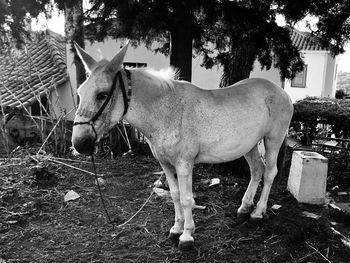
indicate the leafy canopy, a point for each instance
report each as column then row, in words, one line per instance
column 14, row 18
column 218, row 28
column 249, row 29
column 227, row 25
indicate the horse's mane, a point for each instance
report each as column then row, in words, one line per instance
column 163, row 77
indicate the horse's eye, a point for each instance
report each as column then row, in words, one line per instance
column 102, row 96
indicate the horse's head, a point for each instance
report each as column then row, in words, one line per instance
column 101, row 98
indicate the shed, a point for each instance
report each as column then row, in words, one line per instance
column 34, row 87
column 37, row 72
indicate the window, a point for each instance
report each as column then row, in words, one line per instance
column 135, row 65
column 36, row 107
column 299, row 80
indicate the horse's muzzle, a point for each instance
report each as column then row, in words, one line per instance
column 84, row 145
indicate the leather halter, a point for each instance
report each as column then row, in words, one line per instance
column 109, row 96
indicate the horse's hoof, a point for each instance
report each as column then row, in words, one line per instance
column 255, row 220
column 186, row 245
column 258, row 219
column 243, row 216
column 240, row 218
column 174, row 236
column 244, row 212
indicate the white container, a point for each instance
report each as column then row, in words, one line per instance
column 308, row 177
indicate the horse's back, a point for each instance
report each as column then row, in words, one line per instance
column 256, row 94
column 274, row 96
column 230, row 121
column 246, row 95
column 257, row 87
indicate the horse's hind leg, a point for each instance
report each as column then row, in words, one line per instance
column 272, row 146
column 178, row 227
column 257, row 167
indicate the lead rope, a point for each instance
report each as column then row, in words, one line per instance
column 100, row 193
column 112, row 222
column 96, row 116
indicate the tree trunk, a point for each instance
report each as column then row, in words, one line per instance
column 237, row 65
column 74, row 30
column 181, row 51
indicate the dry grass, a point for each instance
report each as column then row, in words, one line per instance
column 36, row 225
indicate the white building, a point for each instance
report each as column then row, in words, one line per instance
column 51, row 60
column 203, row 78
column 319, row 76
column 36, row 73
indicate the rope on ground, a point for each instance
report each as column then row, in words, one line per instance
column 70, row 166
column 102, row 200
column 138, row 211
column 100, row 192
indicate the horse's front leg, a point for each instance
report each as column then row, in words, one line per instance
column 178, row 227
column 184, row 175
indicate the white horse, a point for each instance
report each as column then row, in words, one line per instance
column 186, row 125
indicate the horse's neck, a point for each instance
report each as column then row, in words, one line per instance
column 149, row 102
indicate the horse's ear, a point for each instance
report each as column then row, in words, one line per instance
column 88, row 62
column 115, row 64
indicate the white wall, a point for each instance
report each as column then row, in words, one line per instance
column 200, row 76
column 63, row 99
column 331, row 77
column 207, row 79
column 315, row 76
column 320, row 79
column 272, row 74
column 320, row 76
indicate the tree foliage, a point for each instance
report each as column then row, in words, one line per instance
column 14, row 17
column 231, row 33
column 344, row 82
column 333, row 25
column 239, row 31
column 173, row 24
column 247, row 30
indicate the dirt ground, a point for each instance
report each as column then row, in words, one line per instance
column 37, row 225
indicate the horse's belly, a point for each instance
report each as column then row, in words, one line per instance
column 225, row 151
column 213, row 157
column 232, row 138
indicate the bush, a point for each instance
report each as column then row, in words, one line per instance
column 340, row 94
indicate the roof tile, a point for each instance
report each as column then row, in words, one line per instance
column 31, row 72
column 305, row 40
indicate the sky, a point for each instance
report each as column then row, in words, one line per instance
column 56, row 24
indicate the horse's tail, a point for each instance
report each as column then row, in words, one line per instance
column 280, row 160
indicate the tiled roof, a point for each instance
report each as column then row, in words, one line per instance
column 29, row 73
column 305, row 40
